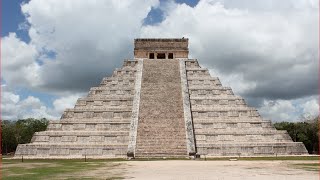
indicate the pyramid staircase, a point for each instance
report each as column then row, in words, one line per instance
column 161, row 130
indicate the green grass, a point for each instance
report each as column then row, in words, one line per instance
column 49, row 169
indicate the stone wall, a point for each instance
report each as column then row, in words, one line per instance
column 143, row 47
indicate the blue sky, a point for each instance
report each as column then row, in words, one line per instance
column 12, row 17
column 55, row 56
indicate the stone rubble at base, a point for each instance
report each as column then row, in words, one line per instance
column 166, row 107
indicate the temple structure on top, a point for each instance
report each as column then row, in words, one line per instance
column 161, row 48
column 160, row 104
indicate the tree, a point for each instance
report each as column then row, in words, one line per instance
column 20, row 132
column 306, row 132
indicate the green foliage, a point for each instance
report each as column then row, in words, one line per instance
column 20, row 132
column 306, row 132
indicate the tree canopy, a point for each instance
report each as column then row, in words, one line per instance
column 306, row 132
column 20, row 132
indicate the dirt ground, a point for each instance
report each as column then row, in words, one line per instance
column 218, row 170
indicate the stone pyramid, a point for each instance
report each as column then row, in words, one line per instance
column 160, row 104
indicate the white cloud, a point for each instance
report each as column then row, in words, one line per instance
column 88, row 38
column 311, row 108
column 280, row 110
column 18, row 62
column 268, row 49
column 290, row 110
column 62, row 103
column 13, row 107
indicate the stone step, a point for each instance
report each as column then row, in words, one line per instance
column 209, row 88
column 252, row 144
column 110, row 79
column 204, row 82
column 196, row 69
column 161, row 155
column 233, row 126
column 191, row 78
column 107, row 104
column 107, row 98
column 238, row 140
column 93, row 121
column 218, row 108
column 151, row 147
column 83, row 133
column 99, row 109
column 107, row 139
column 252, row 149
column 226, row 97
column 102, row 108
column 266, row 131
column 116, row 92
column 209, row 92
column 232, row 121
column 115, row 87
column 240, row 119
column 89, row 128
column 69, row 151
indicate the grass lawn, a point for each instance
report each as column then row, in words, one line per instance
column 61, row 169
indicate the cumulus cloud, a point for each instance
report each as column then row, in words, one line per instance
column 62, row 103
column 13, row 107
column 72, row 45
column 19, row 65
column 271, row 51
column 310, row 108
column 290, row 110
column 281, row 110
